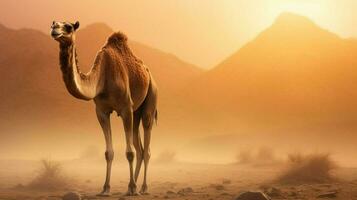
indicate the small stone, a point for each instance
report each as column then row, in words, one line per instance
column 328, row 195
column 184, row 191
column 170, row 192
column 252, row 196
column 72, row 196
column 217, row 186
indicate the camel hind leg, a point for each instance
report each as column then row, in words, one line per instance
column 149, row 115
column 147, row 124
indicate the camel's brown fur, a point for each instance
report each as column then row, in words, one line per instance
column 118, row 81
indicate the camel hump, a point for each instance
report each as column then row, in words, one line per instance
column 117, row 38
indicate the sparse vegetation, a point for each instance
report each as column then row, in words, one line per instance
column 245, row 157
column 313, row 168
column 295, row 157
column 50, row 176
column 264, row 156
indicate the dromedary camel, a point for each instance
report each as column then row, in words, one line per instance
column 118, row 81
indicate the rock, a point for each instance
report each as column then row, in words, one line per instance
column 72, row 196
column 217, row 186
column 252, row 196
column 184, row 191
column 170, row 192
column 328, row 195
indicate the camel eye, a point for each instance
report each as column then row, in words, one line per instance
column 68, row 28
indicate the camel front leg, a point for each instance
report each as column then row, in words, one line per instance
column 127, row 117
column 104, row 121
column 137, row 143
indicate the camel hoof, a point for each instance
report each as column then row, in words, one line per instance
column 132, row 190
column 104, row 194
column 144, row 190
column 131, row 193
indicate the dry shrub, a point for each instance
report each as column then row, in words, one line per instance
column 166, row 157
column 263, row 156
column 245, row 157
column 49, row 177
column 313, row 168
column 295, row 157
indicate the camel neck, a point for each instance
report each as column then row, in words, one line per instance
column 79, row 85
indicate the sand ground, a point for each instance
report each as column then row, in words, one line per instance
column 207, row 181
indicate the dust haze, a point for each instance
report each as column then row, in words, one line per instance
column 279, row 116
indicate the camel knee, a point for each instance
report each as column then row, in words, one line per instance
column 109, row 155
column 147, row 155
column 130, row 156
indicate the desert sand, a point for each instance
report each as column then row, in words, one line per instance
column 173, row 181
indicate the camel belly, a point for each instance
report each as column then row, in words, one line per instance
column 114, row 97
column 139, row 85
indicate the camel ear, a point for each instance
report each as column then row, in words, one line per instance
column 76, row 25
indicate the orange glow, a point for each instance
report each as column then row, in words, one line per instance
column 213, row 29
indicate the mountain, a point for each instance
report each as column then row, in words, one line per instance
column 294, row 73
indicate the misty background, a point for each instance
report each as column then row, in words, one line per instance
column 233, row 76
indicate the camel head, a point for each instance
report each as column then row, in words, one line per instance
column 63, row 32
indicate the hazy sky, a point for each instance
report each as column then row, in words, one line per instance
column 203, row 32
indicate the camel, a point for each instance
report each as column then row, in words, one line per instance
column 118, row 81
